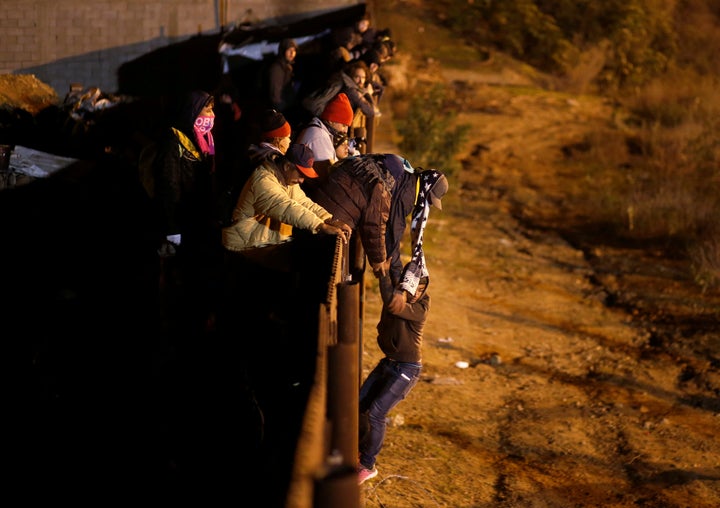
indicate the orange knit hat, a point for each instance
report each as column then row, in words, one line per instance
column 338, row 110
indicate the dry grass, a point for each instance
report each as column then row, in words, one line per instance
column 676, row 181
column 656, row 177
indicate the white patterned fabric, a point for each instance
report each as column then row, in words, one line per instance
column 416, row 268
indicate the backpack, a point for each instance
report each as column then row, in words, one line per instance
column 316, row 100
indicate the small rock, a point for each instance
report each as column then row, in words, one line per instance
column 395, row 421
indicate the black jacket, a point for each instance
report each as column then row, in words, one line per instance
column 183, row 174
column 400, row 335
column 358, row 192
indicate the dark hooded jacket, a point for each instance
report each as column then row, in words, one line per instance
column 400, row 335
column 403, row 200
column 183, row 174
column 358, row 192
column 280, row 86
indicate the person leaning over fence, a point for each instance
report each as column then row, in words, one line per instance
column 415, row 190
column 272, row 203
column 358, row 191
column 400, row 337
column 272, row 138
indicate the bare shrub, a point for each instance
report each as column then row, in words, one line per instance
column 704, row 255
column 676, row 98
column 671, row 196
column 580, row 77
column 431, row 138
column 675, row 185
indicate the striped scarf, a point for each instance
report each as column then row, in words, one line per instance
column 416, row 269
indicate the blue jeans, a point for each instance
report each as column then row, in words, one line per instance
column 387, row 384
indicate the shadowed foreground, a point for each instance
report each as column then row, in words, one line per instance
column 102, row 403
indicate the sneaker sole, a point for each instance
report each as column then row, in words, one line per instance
column 369, row 477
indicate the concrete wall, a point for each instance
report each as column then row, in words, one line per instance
column 79, row 41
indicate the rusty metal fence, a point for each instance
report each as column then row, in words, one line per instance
column 325, row 468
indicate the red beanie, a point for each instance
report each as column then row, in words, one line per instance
column 338, row 110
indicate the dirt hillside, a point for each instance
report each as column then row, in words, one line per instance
column 592, row 376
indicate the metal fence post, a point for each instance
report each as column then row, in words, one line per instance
column 339, row 486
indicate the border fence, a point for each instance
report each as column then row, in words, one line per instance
column 325, row 472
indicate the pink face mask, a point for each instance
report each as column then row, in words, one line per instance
column 203, row 127
column 204, row 123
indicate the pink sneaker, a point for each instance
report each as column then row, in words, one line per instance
column 366, row 474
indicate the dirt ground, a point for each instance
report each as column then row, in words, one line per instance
column 592, row 367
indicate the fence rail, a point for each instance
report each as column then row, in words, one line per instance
column 324, row 473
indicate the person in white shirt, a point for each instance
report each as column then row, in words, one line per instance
column 320, row 132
